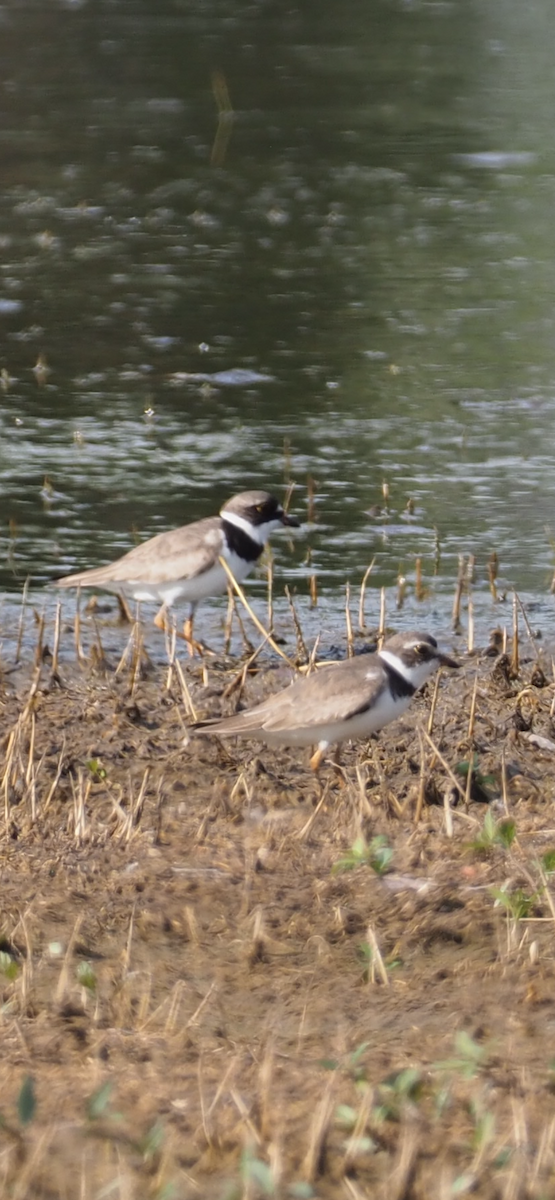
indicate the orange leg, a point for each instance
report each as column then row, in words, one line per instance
column 318, row 758
column 160, row 619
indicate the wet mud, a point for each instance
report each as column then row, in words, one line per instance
column 221, row 978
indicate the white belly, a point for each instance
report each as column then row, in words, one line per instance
column 211, row 583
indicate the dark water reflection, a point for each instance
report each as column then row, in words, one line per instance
column 372, row 233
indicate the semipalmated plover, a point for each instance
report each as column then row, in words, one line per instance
column 183, row 564
column 349, row 699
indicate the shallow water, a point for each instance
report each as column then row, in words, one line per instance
column 351, row 281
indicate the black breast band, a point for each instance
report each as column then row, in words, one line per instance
column 399, row 686
column 240, row 542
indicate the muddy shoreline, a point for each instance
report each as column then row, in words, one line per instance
column 220, row 988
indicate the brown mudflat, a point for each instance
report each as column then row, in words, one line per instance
column 214, row 990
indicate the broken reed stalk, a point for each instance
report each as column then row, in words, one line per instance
column 470, row 633
column 287, row 460
column 56, row 780
column 313, row 585
column 433, row 705
column 528, row 628
column 77, row 629
column 302, row 652
column 170, row 637
column 444, row 764
column 225, row 119
column 401, row 591
column 381, row 628
column 187, row 700
column 459, row 589
column 515, row 654
column 422, row 780
column 239, row 679
column 348, row 621
column 57, row 633
column 365, row 578
column 40, row 642
column 493, row 570
column 21, row 620
column 288, row 495
column 239, row 591
column 319, row 1129
column 126, row 653
column 377, row 965
column 472, row 717
column 311, row 486
column 137, row 654
column 270, row 572
column 437, row 551
column 229, row 618
column 304, row 831
column 448, row 816
column 419, row 589
column 469, row 581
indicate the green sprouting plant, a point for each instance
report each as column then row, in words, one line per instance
column 519, row 904
column 86, row 976
column 372, row 966
column 255, row 1171
column 480, row 783
column 469, row 1057
column 98, row 1105
column 547, row 862
column 484, row 1124
column 96, row 769
column 26, row 1101
column 494, row 833
column 396, row 1091
column 8, row 966
column 26, row 1108
column 352, row 1064
column 376, row 854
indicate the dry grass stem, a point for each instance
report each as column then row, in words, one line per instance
column 302, row 652
column 313, row 586
column 515, row 662
column 459, row 589
column 472, row 715
column 21, row 622
column 313, row 1163
column 433, row 705
column 239, row 591
column 348, row 622
column 378, row 968
column 365, row 578
column 381, row 626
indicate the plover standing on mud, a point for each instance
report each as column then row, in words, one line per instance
column 183, row 564
column 344, row 700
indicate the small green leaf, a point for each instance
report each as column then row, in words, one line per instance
column 96, row 769
column 8, row 966
column 86, row 976
column 548, row 861
column 98, row 1102
column 506, row 833
column 301, row 1191
column 346, row 1116
column 26, row 1101
column 361, row 1145
column 153, row 1141
column 256, row 1171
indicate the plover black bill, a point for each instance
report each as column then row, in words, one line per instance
column 344, row 700
column 184, row 563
